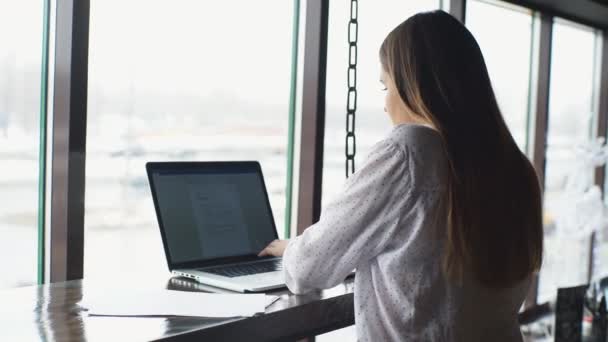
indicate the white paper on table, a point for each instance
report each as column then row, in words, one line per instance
column 175, row 303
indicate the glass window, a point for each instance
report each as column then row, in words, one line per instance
column 21, row 38
column 507, row 56
column 186, row 81
column 570, row 125
column 376, row 19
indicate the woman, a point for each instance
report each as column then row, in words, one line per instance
column 443, row 222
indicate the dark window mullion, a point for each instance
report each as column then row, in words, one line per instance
column 539, row 108
column 313, row 114
column 600, row 103
column 69, row 140
column 458, row 9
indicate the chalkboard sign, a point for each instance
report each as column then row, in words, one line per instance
column 569, row 314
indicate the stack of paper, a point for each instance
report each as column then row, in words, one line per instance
column 175, row 303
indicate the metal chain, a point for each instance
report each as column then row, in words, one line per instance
column 351, row 100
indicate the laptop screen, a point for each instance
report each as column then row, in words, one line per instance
column 212, row 210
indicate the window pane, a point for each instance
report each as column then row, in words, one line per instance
column 21, row 32
column 507, row 56
column 376, row 19
column 193, row 80
column 570, row 125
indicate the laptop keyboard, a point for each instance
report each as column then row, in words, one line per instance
column 246, row 269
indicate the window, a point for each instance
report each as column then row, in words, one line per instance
column 372, row 124
column 570, row 124
column 507, row 56
column 20, row 77
column 186, row 82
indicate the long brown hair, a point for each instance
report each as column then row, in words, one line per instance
column 495, row 213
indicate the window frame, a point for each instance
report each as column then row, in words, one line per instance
column 64, row 257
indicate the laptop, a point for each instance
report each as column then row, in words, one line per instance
column 214, row 219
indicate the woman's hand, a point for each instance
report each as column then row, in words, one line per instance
column 275, row 248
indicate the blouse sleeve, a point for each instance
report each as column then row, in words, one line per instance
column 354, row 227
